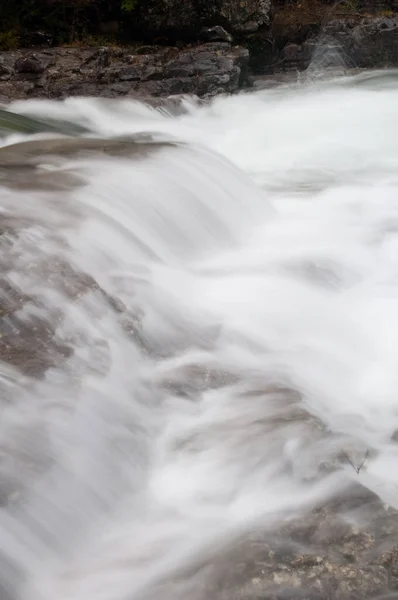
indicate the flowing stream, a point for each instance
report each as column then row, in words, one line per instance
column 199, row 329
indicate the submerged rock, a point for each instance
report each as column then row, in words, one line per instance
column 31, row 153
column 11, row 122
column 346, row 550
column 27, row 341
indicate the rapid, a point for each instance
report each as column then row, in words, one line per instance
column 209, row 297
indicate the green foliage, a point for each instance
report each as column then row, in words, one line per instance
column 100, row 40
column 128, row 5
column 9, row 40
column 347, row 6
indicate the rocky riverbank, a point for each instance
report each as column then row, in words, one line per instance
column 216, row 65
column 141, row 72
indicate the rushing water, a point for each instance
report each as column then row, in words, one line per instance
column 225, row 293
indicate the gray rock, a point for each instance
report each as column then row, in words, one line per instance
column 202, row 70
column 247, row 28
column 291, row 54
column 345, row 43
column 129, row 74
column 5, row 70
column 368, row 43
column 215, row 34
column 347, row 550
column 29, row 64
column 151, row 72
column 104, row 57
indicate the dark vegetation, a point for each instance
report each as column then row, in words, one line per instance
column 55, row 22
column 27, row 23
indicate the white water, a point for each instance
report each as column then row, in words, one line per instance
column 259, row 264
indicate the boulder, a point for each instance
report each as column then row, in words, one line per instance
column 29, row 64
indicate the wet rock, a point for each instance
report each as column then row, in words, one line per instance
column 104, row 57
column 12, row 90
column 13, row 122
column 26, row 342
column 360, row 42
column 291, row 56
column 334, row 553
column 29, row 64
column 147, row 49
column 174, row 105
column 215, row 34
column 151, row 72
column 31, row 153
column 5, row 70
column 29, row 342
column 130, row 74
column 247, row 28
column 110, row 72
column 370, row 42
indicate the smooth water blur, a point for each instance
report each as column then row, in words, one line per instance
column 250, row 252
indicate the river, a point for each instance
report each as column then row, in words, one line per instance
column 210, row 300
